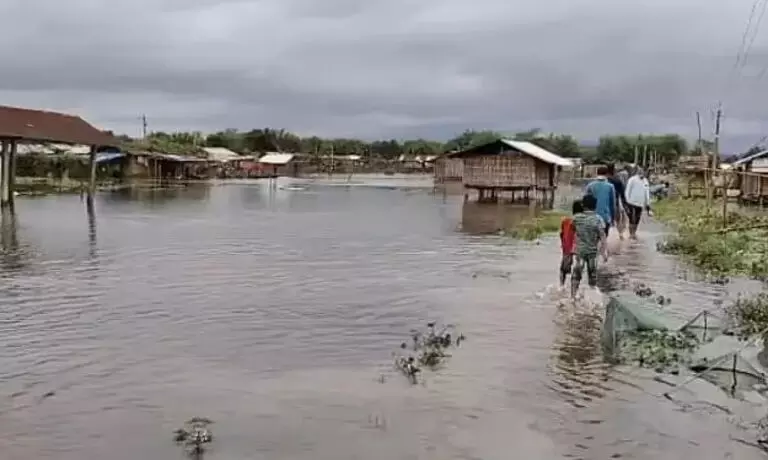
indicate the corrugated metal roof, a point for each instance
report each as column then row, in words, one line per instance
column 107, row 157
column 176, row 158
column 745, row 160
column 497, row 147
column 51, row 148
column 276, row 158
column 538, row 152
column 220, row 154
column 342, row 157
column 39, row 125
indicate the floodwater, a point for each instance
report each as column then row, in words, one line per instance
column 275, row 312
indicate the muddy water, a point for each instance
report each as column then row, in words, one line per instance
column 274, row 312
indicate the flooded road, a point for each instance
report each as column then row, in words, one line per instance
column 275, row 311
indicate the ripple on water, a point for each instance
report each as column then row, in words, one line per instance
column 275, row 312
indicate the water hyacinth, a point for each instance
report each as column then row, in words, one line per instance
column 664, row 351
column 645, row 291
column 426, row 349
column 194, row 435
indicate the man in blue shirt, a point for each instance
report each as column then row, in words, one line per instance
column 605, row 194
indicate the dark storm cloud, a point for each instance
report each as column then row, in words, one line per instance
column 396, row 68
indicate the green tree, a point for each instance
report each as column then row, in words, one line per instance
column 471, row 138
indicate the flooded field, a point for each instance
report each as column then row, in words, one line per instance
column 274, row 310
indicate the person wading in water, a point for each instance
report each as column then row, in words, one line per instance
column 638, row 198
column 619, row 200
column 605, row 195
column 590, row 242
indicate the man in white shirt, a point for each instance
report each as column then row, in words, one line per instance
column 638, row 198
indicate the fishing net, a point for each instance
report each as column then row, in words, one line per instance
column 637, row 330
column 730, row 362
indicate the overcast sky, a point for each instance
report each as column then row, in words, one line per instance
column 394, row 68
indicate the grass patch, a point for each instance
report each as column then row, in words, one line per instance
column 737, row 246
column 532, row 228
column 750, row 315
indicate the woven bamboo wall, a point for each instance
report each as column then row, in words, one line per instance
column 693, row 163
column 449, row 169
column 589, row 171
column 507, row 170
column 753, row 185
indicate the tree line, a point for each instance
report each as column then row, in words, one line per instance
column 608, row 148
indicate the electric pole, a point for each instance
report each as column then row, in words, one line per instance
column 698, row 124
column 143, row 119
column 716, row 162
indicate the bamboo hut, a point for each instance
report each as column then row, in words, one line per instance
column 752, row 174
column 279, row 164
column 695, row 171
column 519, row 168
column 448, row 169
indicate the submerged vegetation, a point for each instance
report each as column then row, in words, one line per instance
column 532, row 228
column 427, row 349
column 194, row 435
column 662, row 350
column 734, row 246
column 749, row 315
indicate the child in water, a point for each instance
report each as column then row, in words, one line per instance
column 568, row 242
column 590, row 241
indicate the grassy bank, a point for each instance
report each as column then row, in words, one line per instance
column 532, row 228
column 736, row 246
column 41, row 186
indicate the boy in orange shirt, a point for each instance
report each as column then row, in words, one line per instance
column 568, row 242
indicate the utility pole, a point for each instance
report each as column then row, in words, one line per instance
column 716, row 162
column 636, row 153
column 698, row 124
column 143, row 126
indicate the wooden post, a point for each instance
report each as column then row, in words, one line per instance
column 5, row 192
column 716, row 163
column 3, row 153
column 92, row 171
column 698, row 140
column 91, row 224
column 12, row 169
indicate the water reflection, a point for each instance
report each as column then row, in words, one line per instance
column 159, row 197
column 490, row 218
column 91, row 212
column 9, row 240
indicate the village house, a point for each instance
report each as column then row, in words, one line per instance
column 448, row 169
column 520, row 169
column 139, row 164
column 752, row 177
column 275, row 164
column 19, row 126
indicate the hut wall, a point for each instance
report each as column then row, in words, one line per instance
column 589, row 171
column 511, row 170
column 753, row 185
column 693, row 163
column 137, row 166
column 449, row 169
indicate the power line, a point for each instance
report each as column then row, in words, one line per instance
column 751, row 31
column 754, row 35
column 743, row 44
